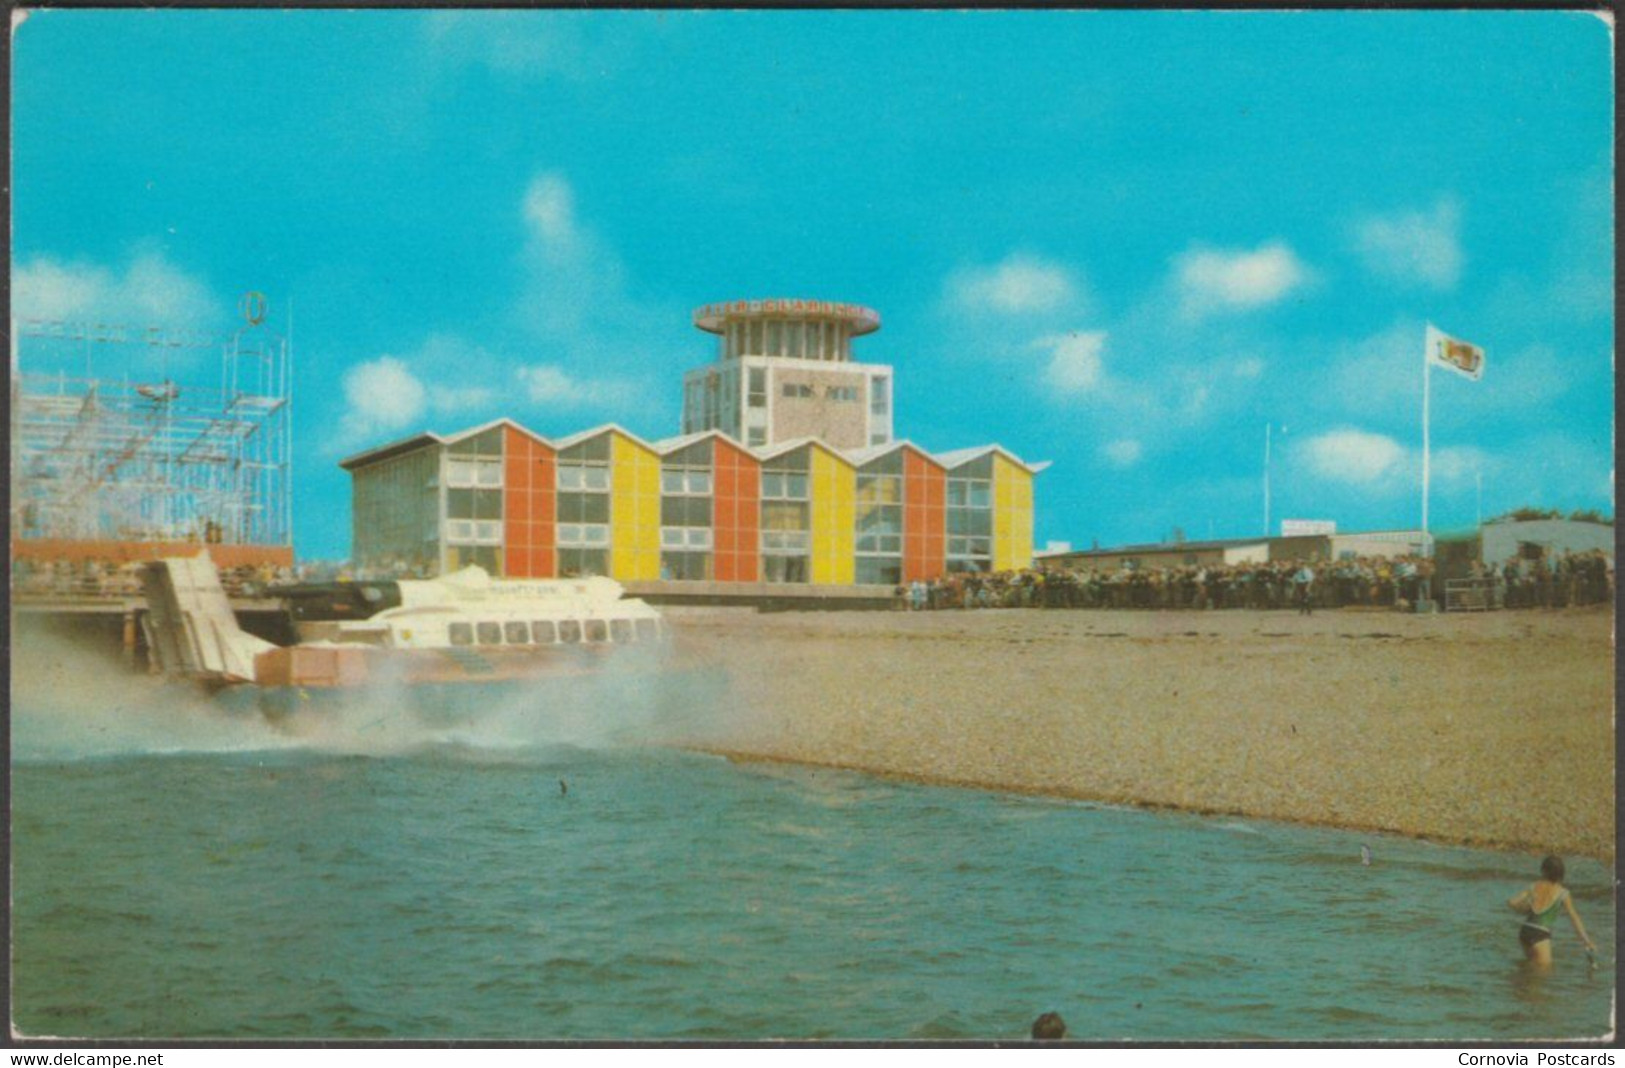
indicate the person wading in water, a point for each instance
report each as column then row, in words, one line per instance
column 1540, row 905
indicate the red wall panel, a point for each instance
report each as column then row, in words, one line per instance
column 736, row 520
column 925, row 517
column 528, row 499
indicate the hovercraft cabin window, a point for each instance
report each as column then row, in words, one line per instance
column 489, row 633
column 461, row 633
column 597, row 630
column 516, row 633
column 569, row 631
column 544, row 631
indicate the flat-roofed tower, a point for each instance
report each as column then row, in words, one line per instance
column 784, row 370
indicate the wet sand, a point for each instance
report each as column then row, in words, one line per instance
column 1488, row 729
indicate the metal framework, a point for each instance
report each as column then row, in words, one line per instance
column 142, row 457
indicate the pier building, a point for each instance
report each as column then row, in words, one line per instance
column 786, row 474
column 699, row 507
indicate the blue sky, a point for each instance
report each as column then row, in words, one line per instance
column 1121, row 242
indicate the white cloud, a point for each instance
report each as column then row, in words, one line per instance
column 575, row 298
column 550, row 384
column 1124, row 452
column 509, row 42
column 452, row 399
column 1354, row 456
column 384, row 396
column 1247, row 367
column 1210, row 280
column 149, row 291
column 1075, row 365
column 1413, row 246
column 1020, row 284
column 549, row 211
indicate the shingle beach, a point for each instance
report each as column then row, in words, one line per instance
column 1492, row 730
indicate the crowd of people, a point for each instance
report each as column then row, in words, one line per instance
column 1389, row 582
column 1570, row 579
column 109, row 579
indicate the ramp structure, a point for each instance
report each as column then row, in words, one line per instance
column 191, row 630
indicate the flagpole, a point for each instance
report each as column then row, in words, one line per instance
column 1425, row 592
column 1427, row 376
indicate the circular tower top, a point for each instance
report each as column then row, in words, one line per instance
column 714, row 318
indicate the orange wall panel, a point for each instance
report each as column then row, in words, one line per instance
column 529, row 498
column 736, row 522
column 925, row 517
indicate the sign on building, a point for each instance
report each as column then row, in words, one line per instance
column 1304, row 528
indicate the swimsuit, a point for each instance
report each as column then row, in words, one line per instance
column 1538, row 927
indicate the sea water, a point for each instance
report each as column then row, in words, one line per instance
column 238, row 880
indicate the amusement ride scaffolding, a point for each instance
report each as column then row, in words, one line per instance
column 127, row 452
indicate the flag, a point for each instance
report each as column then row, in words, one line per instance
column 1462, row 357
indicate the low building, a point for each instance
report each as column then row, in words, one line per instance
column 1501, row 540
column 701, row 507
column 1235, row 551
column 1210, row 553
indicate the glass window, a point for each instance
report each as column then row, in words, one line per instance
column 784, row 515
column 757, row 397
column 569, row 631
column 488, row 474
column 459, row 472
column 461, row 633
column 785, row 541
column 756, row 436
column 597, row 630
column 576, row 562
column 516, row 633
column 784, row 569
column 621, row 630
column 583, row 508
column 685, row 511
column 775, row 338
column 685, row 566
column 489, row 633
column 785, row 485
column 879, row 571
column 576, row 476
column 543, row 632
column 648, row 630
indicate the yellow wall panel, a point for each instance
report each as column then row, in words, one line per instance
column 1012, row 515
column 634, row 510
column 834, row 487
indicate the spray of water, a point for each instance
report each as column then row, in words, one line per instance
column 71, row 701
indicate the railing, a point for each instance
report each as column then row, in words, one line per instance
column 1469, row 595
